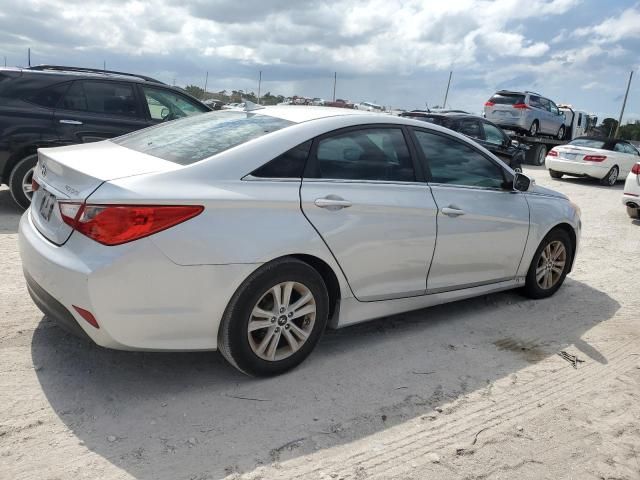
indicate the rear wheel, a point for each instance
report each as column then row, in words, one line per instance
column 555, row 174
column 275, row 318
column 611, row 178
column 550, row 265
column 534, row 128
column 633, row 212
column 560, row 134
column 20, row 180
column 537, row 154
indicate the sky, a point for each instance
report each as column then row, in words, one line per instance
column 395, row 53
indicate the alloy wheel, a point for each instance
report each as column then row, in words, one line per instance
column 534, row 129
column 281, row 321
column 613, row 176
column 551, row 265
column 27, row 186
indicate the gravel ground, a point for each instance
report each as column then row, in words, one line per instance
column 468, row 390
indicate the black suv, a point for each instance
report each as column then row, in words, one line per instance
column 484, row 132
column 51, row 106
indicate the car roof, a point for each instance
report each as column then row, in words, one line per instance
column 79, row 72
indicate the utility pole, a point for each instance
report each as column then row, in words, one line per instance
column 624, row 103
column 5, row 60
column 259, row 85
column 104, row 66
column 446, row 95
column 335, row 79
column 29, row 56
column 206, row 80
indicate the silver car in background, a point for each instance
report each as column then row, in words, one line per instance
column 251, row 231
column 525, row 112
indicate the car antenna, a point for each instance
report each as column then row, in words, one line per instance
column 249, row 106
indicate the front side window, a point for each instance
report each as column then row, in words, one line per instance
column 168, row 105
column 288, row 165
column 367, row 154
column 544, row 104
column 553, row 107
column 108, row 98
column 195, row 138
column 620, row 147
column 492, row 134
column 453, row 162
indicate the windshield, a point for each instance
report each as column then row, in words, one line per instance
column 195, row 138
column 587, row 142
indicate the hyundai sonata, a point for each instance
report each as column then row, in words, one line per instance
column 251, row 231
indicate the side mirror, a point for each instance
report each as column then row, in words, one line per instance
column 522, row 183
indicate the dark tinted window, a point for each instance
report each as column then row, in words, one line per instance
column 368, row 154
column 101, row 97
column 453, row 162
column 493, row 134
column 470, row 128
column 288, row 165
column 507, row 98
column 50, row 96
column 195, row 138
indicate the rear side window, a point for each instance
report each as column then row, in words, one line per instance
column 288, row 165
column 192, row 139
column 367, row 154
column 49, row 96
column 453, row 162
column 109, row 98
column 507, row 98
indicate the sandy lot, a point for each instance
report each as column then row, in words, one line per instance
column 471, row 390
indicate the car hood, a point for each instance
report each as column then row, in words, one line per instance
column 547, row 192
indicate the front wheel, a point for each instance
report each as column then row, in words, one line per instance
column 611, row 178
column 275, row 318
column 550, row 265
column 20, row 180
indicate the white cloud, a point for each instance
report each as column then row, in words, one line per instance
column 613, row 29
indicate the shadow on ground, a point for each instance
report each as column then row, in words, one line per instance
column 190, row 415
column 10, row 212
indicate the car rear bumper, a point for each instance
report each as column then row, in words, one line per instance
column 140, row 299
column 579, row 169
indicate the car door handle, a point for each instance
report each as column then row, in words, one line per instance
column 332, row 202
column 452, row 211
column 71, row 122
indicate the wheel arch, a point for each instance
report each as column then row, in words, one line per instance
column 328, row 275
column 572, row 236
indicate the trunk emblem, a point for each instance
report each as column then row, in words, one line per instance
column 43, row 169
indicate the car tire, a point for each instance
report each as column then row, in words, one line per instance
column 20, row 180
column 538, row 154
column 633, row 212
column 555, row 174
column 534, row 129
column 610, row 178
column 246, row 349
column 543, row 278
column 561, row 132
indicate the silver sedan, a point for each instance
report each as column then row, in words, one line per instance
column 252, row 231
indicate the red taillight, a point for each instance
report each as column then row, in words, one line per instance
column 489, row 104
column 34, row 185
column 636, row 169
column 521, row 106
column 552, row 153
column 117, row 224
column 88, row 316
column 595, row 158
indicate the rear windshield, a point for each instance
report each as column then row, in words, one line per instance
column 192, row 139
column 507, row 98
column 587, row 142
column 423, row 117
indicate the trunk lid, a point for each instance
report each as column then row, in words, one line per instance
column 73, row 173
column 577, row 154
